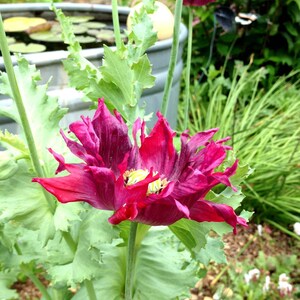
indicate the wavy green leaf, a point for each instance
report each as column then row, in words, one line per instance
column 122, row 78
column 70, row 268
column 162, row 272
column 6, row 280
column 25, row 203
column 42, row 110
column 213, row 251
column 14, row 143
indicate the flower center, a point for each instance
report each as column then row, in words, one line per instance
column 134, row 176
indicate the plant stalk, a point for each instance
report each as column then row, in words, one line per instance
column 90, row 289
column 21, row 109
column 116, row 23
column 173, row 58
column 32, row 149
column 73, row 247
column 36, row 281
column 131, row 253
column 188, row 69
column 69, row 240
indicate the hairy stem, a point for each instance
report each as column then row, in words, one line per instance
column 31, row 146
column 69, row 240
column 21, row 109
column 116, row 23
column 29, row 273
column 173, row 59
column 90, row 289
column 131, row 253
column 73, row 247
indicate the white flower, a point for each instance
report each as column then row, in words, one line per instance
column 259, row 229
column 284, row 286
column 266, row 286
column 247, row 278
column 297, row 228
column 216, row 296
column 283, row 278
column 251, row 275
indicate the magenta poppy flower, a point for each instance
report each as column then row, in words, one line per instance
column 146, row 180
column 196, row 2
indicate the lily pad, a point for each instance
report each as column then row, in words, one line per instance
column 56, row 27
column 10, row 40
column 23, row 48
column 95, row 25
column 18, row 24
column 46, row 36
column 106, row 35
column 80, row 19
column 93, row 32
column 79, row 29
column 85, row 39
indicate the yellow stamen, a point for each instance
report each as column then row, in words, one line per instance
column 133, row 176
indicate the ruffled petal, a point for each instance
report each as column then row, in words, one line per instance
column 134, row 160
column 61, row 161
column 78, row 150
column 191, row 186
column 189, row 148
column 113, row 137
column 224, row 177
column 210, row 157
column 127, row 199
column 78, row 186
column 157, row 149
column 104, row 180
column 127, row 195
column 85, row 133
column 126, row 212
column 206, row 211
column 163, row 211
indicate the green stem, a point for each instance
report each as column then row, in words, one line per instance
column 69, row 240
column 130, row 261
column 73, row 247
column 39, row 285
column 21, row 109
column 282, row 228
column 28, row 272
column 173, row 59
column 116, row 23
column 188, row 69
column 32, row 148
column 90, row 289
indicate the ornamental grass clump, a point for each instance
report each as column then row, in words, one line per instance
column 132, row 177
column 264, row 126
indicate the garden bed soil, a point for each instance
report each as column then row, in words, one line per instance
column 272, row 242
